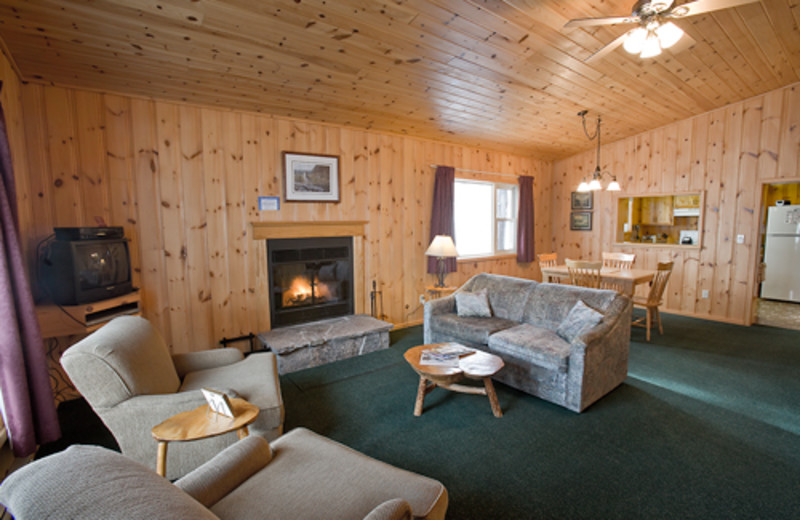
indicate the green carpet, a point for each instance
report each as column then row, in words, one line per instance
column 707, row 425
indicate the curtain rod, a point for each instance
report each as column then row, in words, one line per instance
column 479, row 171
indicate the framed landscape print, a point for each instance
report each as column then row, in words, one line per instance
column 582, row 200
column 580, row 221
column 311, row 178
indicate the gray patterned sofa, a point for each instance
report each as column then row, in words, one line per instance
column 565, row 344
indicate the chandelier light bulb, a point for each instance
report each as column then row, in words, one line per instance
column 595, row 185
column 583, row 187
column 668, row 35
column 634, row 42
column 613, row 185
column 651, row 46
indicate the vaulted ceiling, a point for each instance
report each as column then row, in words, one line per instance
column 504, row 74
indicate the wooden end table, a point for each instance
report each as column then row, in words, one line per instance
column 478, row 365
column 201, row 423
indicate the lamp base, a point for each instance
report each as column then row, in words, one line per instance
column 440, row 265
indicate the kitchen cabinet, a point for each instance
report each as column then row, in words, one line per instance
column 659, row 219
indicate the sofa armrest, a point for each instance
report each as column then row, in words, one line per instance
column 204, row 359
column 227, row 470
column 435, row 308
column 620, row 309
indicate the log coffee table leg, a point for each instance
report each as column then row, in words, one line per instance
column 421, row 391
column 487, row 382
column 161, row 459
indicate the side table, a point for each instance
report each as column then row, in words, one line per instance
column 440, row 292
column 201, row 423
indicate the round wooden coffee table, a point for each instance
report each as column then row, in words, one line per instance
column 478, row 365
column 201, row 423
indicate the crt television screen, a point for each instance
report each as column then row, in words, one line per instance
column 100, row 264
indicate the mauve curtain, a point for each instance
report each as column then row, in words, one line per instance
column 442, row 214
column 30, row 411
column 525, row 249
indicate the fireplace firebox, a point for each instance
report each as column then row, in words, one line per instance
column 310, row 279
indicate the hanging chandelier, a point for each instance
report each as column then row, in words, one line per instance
column 597, row 176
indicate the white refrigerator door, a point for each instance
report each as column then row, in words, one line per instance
column 782, row 273
column 783, row 220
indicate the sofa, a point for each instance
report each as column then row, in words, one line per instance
column 126, row 373
column 564, row 344
column 299, row 475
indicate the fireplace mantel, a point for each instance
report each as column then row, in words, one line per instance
column 331, row 228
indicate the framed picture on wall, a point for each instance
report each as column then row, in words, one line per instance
column 582, row 199
column 580, row 221
column 311, row 178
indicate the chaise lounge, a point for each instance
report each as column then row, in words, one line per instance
column 565, row 344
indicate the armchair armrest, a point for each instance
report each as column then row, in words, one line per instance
column 227, row 470
column 395, row 509
column 194, row 361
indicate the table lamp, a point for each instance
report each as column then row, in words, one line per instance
column 441, row 247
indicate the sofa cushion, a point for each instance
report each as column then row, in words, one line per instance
column 580, row 319
column 550, row 303
column 475, row 330
column 473, row 304
column 507, row 295
column 94, row 483
column 532, row 344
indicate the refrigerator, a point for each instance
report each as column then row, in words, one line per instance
column 782, row 254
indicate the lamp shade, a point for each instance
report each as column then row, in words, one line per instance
column 442, row 246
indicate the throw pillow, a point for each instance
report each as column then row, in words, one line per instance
column 473, row 304
column 580, row 319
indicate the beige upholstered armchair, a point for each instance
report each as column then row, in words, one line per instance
column 125, row 372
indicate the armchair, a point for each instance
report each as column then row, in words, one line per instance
column 125, row 372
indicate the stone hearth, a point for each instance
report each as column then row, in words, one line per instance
column 313, row 344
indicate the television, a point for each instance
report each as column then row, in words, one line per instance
column 84, row 265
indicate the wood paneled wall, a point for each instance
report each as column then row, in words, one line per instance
column 184, row 181
column 730, row 153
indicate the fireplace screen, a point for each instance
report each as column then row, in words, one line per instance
column 311, row 279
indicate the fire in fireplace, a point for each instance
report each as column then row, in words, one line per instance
column 311, row 279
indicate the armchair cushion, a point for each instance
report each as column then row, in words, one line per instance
column 193, row 361
column 93, row 483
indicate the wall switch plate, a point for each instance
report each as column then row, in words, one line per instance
column 421, row 298
column 740, row 239
column 705, row 293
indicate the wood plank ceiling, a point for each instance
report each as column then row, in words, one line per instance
column 504, row 74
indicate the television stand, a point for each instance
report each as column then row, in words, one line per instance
column 69, row 320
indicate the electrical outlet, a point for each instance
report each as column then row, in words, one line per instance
column 421, row 299
column 705, row 293
column 740, row 239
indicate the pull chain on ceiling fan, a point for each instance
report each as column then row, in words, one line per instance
column 656, row 30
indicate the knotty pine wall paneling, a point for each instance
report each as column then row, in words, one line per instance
column 729, row 154
column 184, row 181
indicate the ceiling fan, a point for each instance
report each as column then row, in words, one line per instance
column 656, row 30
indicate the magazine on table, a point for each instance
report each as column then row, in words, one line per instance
column 445, row 355
column 430, row 359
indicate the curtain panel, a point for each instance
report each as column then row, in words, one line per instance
column 28, row 404
column 525, row 232
column 442, row 219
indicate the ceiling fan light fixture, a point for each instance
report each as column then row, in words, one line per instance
column 668, row 35
column 634, row 42
column 651, row 46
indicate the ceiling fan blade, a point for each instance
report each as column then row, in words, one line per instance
column 607, row 20
column 607, row 49
column 704, row 6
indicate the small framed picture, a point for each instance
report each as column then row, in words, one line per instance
column 582, row 199
column 218, row 402
column 311, row 178
column 580, row 221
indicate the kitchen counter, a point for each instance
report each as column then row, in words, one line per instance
column 657, row 244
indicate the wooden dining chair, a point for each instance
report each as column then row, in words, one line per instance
column 653, row 299
column 585, row 274
column 619, row 260
column 548, row 259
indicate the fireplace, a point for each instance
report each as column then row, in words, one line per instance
column 310, row 279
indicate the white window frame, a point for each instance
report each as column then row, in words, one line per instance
column 495, row 219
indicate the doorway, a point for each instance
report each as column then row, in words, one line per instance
column 767, row 311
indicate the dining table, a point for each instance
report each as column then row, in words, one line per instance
column 627, row 279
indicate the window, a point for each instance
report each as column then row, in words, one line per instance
column 485, row 218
